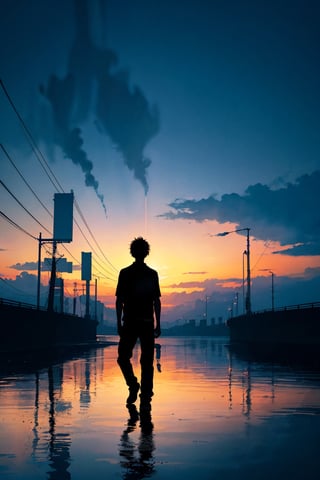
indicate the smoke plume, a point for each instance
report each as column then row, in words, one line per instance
column 122, row 112
column 60, row 94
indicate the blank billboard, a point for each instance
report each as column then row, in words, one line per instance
column 62, row 265
column 63, row 217
column 85, row 265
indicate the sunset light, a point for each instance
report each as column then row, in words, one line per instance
column 160, row 239
column 192, row 168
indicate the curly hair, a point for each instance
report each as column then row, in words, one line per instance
column 139, row 248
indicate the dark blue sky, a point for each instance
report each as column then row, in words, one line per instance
column 212, row 107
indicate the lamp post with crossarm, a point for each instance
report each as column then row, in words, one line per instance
column 272, row 284
column 248, row 296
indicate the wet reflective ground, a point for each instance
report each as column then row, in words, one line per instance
column 214, row 416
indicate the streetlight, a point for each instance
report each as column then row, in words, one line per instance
column 243, row 302
column 206, row 298
column 248, row 296
column 272, row 290
column 272, row 285
column 206, row 314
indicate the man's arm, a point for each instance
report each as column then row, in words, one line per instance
column 119, row 309
column 157, row 312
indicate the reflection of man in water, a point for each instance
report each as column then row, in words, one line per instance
column 158, row 356
column 137, row 304
column 137, row 457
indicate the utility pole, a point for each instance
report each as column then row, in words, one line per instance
column 52, row 277
column 39, row 270
column 95, row 297
column 87, row 299
column 74, row 297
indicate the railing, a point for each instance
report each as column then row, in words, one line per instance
column 29, row 306
column 15, row 303
column 301, row 306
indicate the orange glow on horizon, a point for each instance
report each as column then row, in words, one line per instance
column 186, row 257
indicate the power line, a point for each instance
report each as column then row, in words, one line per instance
column 24, row 180
column 101, row 251
column 93, row 259
column 266, row 245
column 14, row 224
column 24, row 208
column 32, row 142
column 47, row 169
column 102, row 274
column 20, row 292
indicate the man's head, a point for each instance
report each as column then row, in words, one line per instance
column 139, row 248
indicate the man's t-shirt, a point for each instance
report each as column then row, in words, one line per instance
column 138, row 287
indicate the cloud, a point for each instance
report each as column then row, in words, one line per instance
column 92, row 86
column 22, row 288
column 304, row 249
column 288, row 290
column 194, row 273
column 30, row 266
column 61, row 266
column 288, row 214
column 311, row 272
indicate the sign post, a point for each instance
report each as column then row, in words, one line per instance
column 86, row 265
column 62, row 233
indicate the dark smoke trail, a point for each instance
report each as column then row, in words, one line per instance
column 73, row 149
column 128, row 119
column 60, row 94
column 123, row 112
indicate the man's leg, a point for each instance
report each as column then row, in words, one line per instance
column 126, row 344
column 146, row 360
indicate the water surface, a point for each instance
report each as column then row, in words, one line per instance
column 214, row 416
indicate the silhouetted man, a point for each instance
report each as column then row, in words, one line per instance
column 138, row 309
